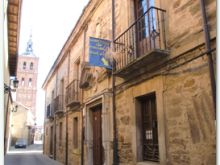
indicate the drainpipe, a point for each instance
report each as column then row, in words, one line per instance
column 66, row 156
column 209, row 54
column 82, row 140
column 54, row 134
column 55, row 127
column 115, row 141
column 82, row 127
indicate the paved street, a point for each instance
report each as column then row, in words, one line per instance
column 28, row 159
column 30, row 148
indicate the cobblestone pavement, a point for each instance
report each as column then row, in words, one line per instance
column 28, row 159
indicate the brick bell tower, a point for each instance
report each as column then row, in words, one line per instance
column 27, row 71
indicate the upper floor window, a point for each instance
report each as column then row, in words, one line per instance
column 24, row 65
column 52, row 94
column 30, row 82
column 22, row 81
column 147, row 22
column 31, row 66
column 62, row 87
column 77, row 69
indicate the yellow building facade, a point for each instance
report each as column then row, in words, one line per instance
column 21, row 124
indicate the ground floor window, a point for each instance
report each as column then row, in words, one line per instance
column 75, row 132
column 51, row 140
column 60, row 133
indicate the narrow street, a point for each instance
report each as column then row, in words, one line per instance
column 28, row 159
column 32, row 155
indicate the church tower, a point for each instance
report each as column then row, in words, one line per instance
column 27, row 71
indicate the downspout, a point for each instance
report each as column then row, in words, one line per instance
column 209, row 54
column 66, row 156
column 54, row 134
column 115, row 141
column 55, row 128
column 82, row 126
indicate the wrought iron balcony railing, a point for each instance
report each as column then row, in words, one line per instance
column 72, row 93
column 58, row 103
column 145, row 35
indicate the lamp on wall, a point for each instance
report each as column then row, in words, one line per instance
column 15, row 108
column 8, row 88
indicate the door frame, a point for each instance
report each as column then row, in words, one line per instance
column 105, row 99
column 51, row 149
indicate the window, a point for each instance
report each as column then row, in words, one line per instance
column 62, row 94
column 60, row 133
column 22, row 81
column 75, row 132
column 147, row 136
column 147, row 22
column 31, row 66
column 30, row 82
column 51, row 138
column 77, row 69
column 148, row 26
column 24, row 65
column 48, row 111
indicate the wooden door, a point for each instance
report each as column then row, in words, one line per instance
column 51, row 140
column 145, row 27
column 97, row 136
column 149, row 128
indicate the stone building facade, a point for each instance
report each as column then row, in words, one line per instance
column 156, row 108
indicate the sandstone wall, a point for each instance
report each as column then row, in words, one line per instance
column 190, row 123
column 184, row 24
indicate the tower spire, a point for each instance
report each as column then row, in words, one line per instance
column 29, row 48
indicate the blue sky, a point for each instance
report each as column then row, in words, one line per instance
column 50, row 22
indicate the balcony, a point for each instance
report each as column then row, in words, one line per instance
column 59, row 104
column 72, row 94
column 50, row 111
column 142, row 46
